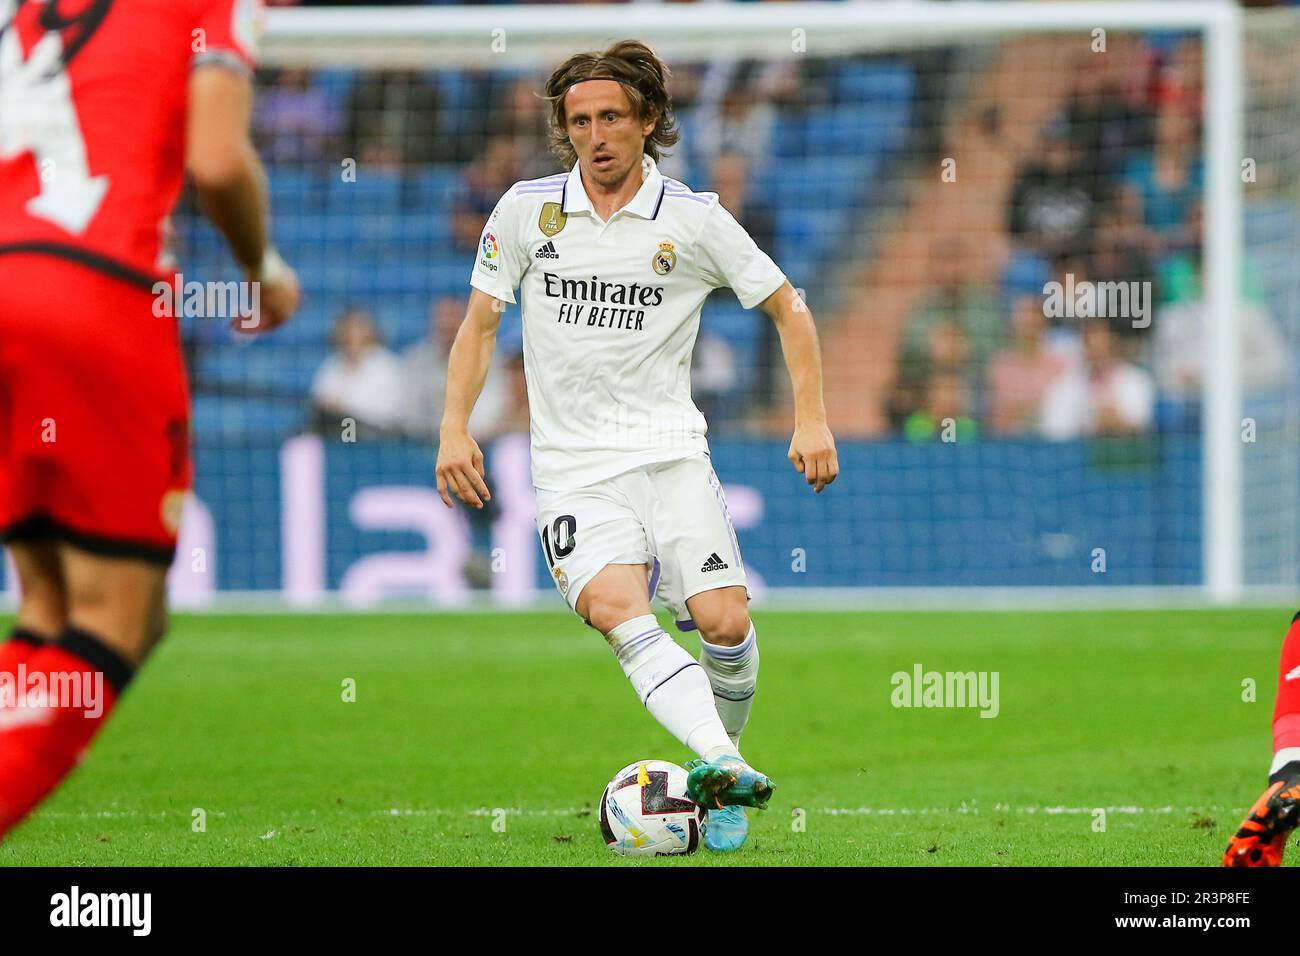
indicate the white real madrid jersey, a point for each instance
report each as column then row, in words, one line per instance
column 610, row 315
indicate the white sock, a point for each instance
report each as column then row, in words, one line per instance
column 733, row 673
column 1282, row 758
column 670, row 684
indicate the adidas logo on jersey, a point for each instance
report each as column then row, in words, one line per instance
column 714, row 563
column 546, row 252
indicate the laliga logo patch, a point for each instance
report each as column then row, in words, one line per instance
column 489, row 252
column 664, row 260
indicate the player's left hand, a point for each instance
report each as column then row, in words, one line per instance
column 278, row 297
column 812, row 452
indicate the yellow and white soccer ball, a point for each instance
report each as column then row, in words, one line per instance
column 645, row 811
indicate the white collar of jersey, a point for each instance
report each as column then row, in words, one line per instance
column 645, row 203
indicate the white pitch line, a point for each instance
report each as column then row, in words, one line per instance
column 962, row 810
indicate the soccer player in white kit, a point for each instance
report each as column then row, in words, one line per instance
column 614, row 262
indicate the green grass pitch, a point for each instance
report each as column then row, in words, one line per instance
column 486, row 739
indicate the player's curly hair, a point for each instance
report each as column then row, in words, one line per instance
column 644, row 78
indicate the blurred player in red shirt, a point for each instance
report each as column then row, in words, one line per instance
column 104, row 105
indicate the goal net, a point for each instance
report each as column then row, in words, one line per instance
column 1056, row 292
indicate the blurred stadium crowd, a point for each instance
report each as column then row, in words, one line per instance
column 1097, row 177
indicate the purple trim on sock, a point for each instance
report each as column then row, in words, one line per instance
column 721, row 653
column 653, row 630
column 650, row 693
column 633, row 647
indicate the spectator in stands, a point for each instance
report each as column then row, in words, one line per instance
column 945, row 354
column 1180, row 344
column 1098, row 394
column 485, row 181
column 1020, row 374
column 1120, row 255
column 1180, row 81
column 945, row 414
column 1068, row 271
column 735, row 112
column 424, row 378
column 525, row 119
column 959, row 298
column 1108, row 114
column 360, row 380
column 1168, row 179
column 1052, row 199
column 294, row 122
column 393, row 121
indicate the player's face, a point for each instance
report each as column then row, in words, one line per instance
column 605, row 131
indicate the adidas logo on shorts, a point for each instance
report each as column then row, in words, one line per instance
column 714, row 563
column 546, row 252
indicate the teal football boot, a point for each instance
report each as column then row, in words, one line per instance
column 725, row 782
column 725, row 830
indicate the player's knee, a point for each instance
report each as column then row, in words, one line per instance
column 44, row 605
column 725, row 628
column 605, row 612
column 43, row 608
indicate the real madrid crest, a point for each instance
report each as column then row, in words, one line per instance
column 664, row 260
column 551, row 219
column 562, row 580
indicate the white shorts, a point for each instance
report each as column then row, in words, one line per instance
column 670, row 515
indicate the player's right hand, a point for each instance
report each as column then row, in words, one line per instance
column 460, row 469
column 278, row 297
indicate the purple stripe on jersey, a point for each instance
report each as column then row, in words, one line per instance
column 536, row 189
column 654, row 579
column 690, row 196
column 662, row 191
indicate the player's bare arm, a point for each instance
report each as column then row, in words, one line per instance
column 812, row 449
column 460, row 460
column 231, row 186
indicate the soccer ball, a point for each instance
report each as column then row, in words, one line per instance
column 645, row 811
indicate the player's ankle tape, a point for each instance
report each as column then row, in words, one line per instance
column 24, row 636
column 98, row 655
